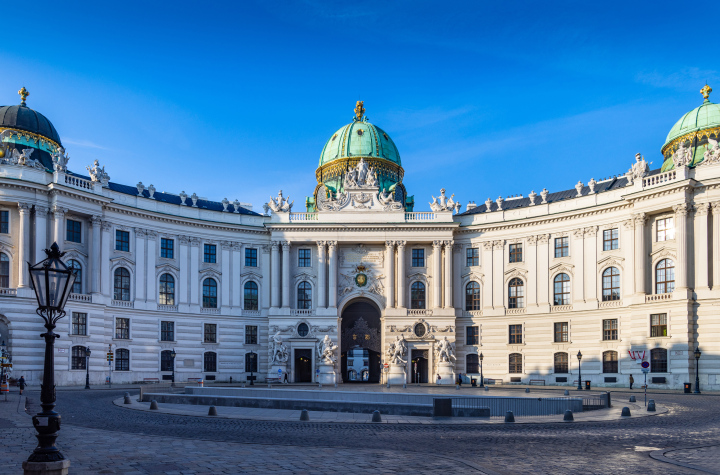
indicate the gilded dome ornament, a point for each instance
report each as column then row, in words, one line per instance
column 23, row 95
column 705, row 91
column 359, row 110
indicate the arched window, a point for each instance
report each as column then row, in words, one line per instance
column 122, row 284
column 304, row 296
column 665, row 277
column 79, row 357
column 471, row 363
column 516, row 293
column 417, row 295
column 167, row 289
column 251, row 362
column 561, row 363
column 250, row 300
column 210, row 362
column 610, row 362
column 611, row 284
column 4, row 271
column 122, row 359
column 209, row 293
column 658, row 360
column 472, row 296
column 561, row 291
column 515, row 363
column 77, row 268
column 166, row 361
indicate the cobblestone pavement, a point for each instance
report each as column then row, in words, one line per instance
column 99, row 437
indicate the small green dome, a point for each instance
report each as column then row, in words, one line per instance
column 359, row 139
column 704, row 117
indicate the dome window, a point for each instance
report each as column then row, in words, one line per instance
column 334, row 137
column 360, row 132
column 386, row 137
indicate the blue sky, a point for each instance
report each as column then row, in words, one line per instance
column 237, row 99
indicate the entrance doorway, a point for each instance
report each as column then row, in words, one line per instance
column 360, row 342
column 419, row 366
column 303, row 365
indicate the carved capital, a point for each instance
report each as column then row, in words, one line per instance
column 390, row 244
column 265, row 248
column 275, row 245
column 96, row 220
column 591, row 231
column 226, row 245
column 139, row 232
column 195, row 242
column 628, row 224
column 107, row 226
column 321, row 245
column 24, row 208
column 331, row 245
column 449, row 245
column 59, row 211
column 640, row 219
column 41, row 211
column 152, row 235
column 532, row 240
column 543, row 238
column 497, row 245
column 579, row 233
column 702, row 209
column 682, row 209
column 286, row 246
column 184, row 239
column 487, row 245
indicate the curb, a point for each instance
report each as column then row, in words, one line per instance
column 659, row 455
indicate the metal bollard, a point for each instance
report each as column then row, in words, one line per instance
column 568, row 417
column 632, row 399
column 509, row 417
column 651, row 405
column 304, row 416
column 127, row 399
column 153, row 405
column 404, row 385
column 457, row 386
column 567, row 393
column 376, row 417
column 625, row 412
column 212, row 411
column 527, row 390
column 487, row 388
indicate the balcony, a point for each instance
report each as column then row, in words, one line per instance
column 302, row 312
column 80, row 298
column 420, row 216
column 76, row 182
column 303, row 217
column 121, row 303
column 210, row 311
column 660, row 179
column 167, row 308
column 657, row 297
column 8, row 292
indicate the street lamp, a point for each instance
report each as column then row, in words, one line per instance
column 87, row 367
column 697, row 370
column 252, row 368
column 173, row 355
column 482, row 385
column 579, row 356
column 3, row 357
column 52, row 281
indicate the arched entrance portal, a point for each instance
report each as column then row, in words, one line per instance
column 360, row 342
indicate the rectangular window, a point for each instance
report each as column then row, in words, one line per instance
column 515, row 252
column 210, row 253
column 5, row 222
column 515, row 334
column 473, row 335
column 561, row 247
column 250, row 257
column 610, row 329
column 418, row 257
column 251, row 335
column 665, row 230
column 303, row 257
column 210, row 362
column 473, row 257
column 610, row 239
column 122, row 360
column 74, row 231
column 658, row 360
column 122, row 240
column 658, row 325
column 210, row 332
column 79, row 357
column 122, row 328
column 561, row 332
column 79, row 323
column 167, row 248
column 167, row 331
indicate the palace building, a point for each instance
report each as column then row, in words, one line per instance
column 622, row 269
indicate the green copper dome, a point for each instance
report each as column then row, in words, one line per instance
column 704, row 117
column 359, row 139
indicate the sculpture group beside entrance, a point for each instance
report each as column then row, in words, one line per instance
column 326, row 365
column 445, row 357
column 396, row 356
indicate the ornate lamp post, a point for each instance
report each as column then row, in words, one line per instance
column 172, row 356
column 52, row 281
column 3, row 359
column 697, row 370
column 252, row 369
column 87, row 367
column 579, row 356
column 482, row 384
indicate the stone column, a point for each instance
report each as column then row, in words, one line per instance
column 640, row 253
column 151, row 278
column 401, row 275
column 681, row 239
column 701, row 246
column 437, row 274
column 105, row 242
column 390, row 271
column 96, row 225
column 140, row 264
column 225, row 248
column 58, row 236
column 41, row 213
column 332, row 274
column 24, row 245
column 264, row 256
column 578, row 257
column 716, row 245
column 627, row 239
column 184, row 264
column 448, row 278
column 322, row 273
column 487, row 266
column 275, row 274
column 194, row 280
column 286, row 274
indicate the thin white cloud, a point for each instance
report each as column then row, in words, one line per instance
column 83, row 143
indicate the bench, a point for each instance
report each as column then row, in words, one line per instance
column 151, row 380
column 537, row 381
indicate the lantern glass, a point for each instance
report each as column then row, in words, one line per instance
column 579, row 356
column 481, row 357
column 87, row 351
column 52, row 280
column 697, row 353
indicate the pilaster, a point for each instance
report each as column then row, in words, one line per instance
column 24, row 245
column 390, row 264
column 286, row 274
column 448, row 277
column 95, row 251
column 322, row 273
column 401, row 273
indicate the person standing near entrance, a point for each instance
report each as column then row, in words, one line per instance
column 438, row 379
column 632, row 380
column 22, row 384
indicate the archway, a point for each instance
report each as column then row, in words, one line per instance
column 360, row 344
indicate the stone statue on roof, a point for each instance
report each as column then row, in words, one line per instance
column 443, row 203
column 640, row 168
column 280, row 204
column 97, row 173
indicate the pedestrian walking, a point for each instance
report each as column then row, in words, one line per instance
column 285, row 379
column 22, row 384
column 632, row 380
column 438, row 379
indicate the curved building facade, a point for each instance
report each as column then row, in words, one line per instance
column 358, row 287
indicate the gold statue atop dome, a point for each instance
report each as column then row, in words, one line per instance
column 706, row 92
column 23, row 95
column 359, row 110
